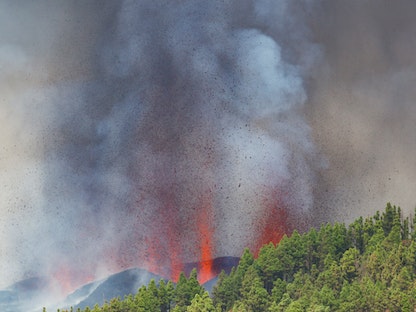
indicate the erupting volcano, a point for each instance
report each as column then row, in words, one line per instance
column 205, row 230
column 166, row 134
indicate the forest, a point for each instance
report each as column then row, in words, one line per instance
column 369, row 265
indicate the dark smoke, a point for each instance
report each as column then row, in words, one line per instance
column 139, row 131
column 362, row 106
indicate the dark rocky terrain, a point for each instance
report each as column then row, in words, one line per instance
column 24, row 295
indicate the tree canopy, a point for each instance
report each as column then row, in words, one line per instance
column 369, row 265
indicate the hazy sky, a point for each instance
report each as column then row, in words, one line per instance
column 142, row 133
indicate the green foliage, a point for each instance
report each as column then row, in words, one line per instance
column 253, row 295
column 269, row 265
column 225, row 293
column 201, row 303
column 368, row 266
column 165, row 294
column 349, row 264
column 186, row 289
column 279, row 288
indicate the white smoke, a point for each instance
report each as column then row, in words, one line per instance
column 150, row 103
column 119, row 120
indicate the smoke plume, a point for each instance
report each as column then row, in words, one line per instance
column 362, row 105
column 155, row 133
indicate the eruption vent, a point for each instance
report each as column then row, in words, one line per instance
column 157, row 133
column 177, row 137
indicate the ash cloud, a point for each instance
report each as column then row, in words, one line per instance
column 127, row 123
column 362, row 106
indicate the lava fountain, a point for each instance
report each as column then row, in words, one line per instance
column 170, row 133
column 158, row 133
column 206, row 234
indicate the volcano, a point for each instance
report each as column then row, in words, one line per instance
column 149, row 134
column 129, row 281
column 24, row 295
column 21, row 296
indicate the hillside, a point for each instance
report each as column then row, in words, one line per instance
column 369, row 265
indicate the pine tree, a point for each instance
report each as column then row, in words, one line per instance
column 356, row 233
column 165, row 294
column 225, row 292
column 269, row 265
column 201, row 303
column 253, row 294
column 350, row 264
column 186, row 289
column 279, row 288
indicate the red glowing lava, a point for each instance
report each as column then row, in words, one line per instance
column 174, row 252
column 166, row 245
column 205, row 272
column 63, row 276
column 68, row 279
column 163, row 247
column 273, row 224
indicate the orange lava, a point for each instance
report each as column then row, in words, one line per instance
column 69, row 280
column 152, row 256
column 273, row 224
column 205, row 272
column 176, row 266
column 63, row 276
column 163, row 252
